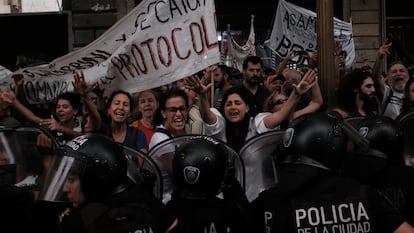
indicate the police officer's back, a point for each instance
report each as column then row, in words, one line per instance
column 199, row 166
column 17, row 196
column 311, row 196
column 382, row 164
column 91, row 174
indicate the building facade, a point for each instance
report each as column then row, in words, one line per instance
column 372, row 21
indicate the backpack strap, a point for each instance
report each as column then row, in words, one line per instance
column 164, row 131
column 134, row 134
column 387, row 101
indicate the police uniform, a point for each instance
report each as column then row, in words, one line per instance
column 201, row 170
column 207, row 215
column 102, row 196
column 309, row 200
column 394, row 182
column 397, row 184
column 133, row 210
column 15, row 209
column 382, row 164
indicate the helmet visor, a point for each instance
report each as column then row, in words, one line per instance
column 15, row 169
column 9, row 154
column 63, row 181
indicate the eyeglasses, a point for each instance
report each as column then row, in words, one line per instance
column 175, row 109
column 279, row 101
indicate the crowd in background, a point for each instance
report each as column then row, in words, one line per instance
column 232, row 106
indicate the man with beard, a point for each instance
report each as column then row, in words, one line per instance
column 393, row 93
column 222, row 82
column 356, row 95
column 253, row 75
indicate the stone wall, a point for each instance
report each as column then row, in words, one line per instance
column 93, row 17
column 367, row 29
column 90, row 18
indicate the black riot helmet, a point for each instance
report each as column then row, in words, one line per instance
column 199, row 166
column 385, row 138
column 15, row 167
column 316, row 139
column 96, row 160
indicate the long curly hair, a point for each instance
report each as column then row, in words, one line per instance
column 345, row 93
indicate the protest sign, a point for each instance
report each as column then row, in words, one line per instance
column 158, row 42
column 294, row 28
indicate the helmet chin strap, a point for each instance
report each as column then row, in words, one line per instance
column 123, row 186
column 361, row 142
column 355, row 136
column 372, row 153
column 192, row 195
column 305, row 160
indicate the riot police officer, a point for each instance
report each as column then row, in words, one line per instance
column 382, row 164
column 312, row 196
column 91, row 174
column 200, row 165
column 16, row 199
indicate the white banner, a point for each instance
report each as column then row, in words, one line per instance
column 294, row 28
column 158, row 42
column 4, row 73
column 240, row 52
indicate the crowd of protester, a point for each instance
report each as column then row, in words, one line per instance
column 230, row 109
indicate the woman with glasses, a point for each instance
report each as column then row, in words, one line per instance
column 171, row 120
column 171, row 117
column 278, row 101
column 235, row 122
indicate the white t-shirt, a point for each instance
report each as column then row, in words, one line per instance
column 395, row 102
column 218, row 129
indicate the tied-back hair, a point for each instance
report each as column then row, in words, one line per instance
column 174, row 92
column 234, row 139
column 113, row 94
column 225, row 70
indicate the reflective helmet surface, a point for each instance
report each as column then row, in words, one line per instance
column 199, row 166
column 318, row 136
column 10, row 157
column 385, row 138
column 20, row 158
column 98, row 162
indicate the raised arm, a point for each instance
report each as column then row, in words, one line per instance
column 203, row 99
column 383, row 50
column 22, row 109
column 83, row 89
column 276, row 118
column 54, row 125
column 100, row 100
column 314, row 104
column 283, row 64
